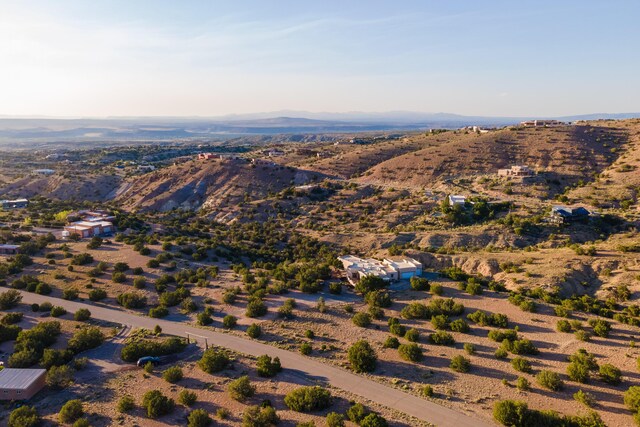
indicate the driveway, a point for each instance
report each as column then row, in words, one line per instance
column 294, row 362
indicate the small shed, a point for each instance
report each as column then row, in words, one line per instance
column 21, row 384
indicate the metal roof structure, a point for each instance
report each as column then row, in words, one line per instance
column 19, row 379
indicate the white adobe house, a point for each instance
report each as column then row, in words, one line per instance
column 457, row 200
column 387, row 269
column 516, row 170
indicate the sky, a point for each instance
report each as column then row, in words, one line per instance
column 211, row 58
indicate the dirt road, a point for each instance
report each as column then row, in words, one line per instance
column 294, row 362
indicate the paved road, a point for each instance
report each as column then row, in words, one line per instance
column 294, row 362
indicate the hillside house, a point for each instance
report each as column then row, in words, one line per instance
column 44, row 172
column 457, row 200
column 88, row 229
column 389, row 270
column 541, row 123
column 206, row 156
column 21, row 384
column 275, row 153
column 6, row 249
column 146, row 168
column 516, row 171
column 566, row 215
column 14, row 204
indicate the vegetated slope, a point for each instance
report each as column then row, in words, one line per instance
column 619, row 184
column 350, row 160
column 68, row 186
column 209, row 185
column 566, row 154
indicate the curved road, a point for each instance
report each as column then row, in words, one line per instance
column 337, row 377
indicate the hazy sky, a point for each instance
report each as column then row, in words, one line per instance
column 100, row 58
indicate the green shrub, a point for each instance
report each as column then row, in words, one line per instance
column 256, row 308
column 57, row 311
column 24, row 416
column 268, row 367
column 410, row 352
column 610, row 374
column 254, row 331
column 361, row 319
column 70, row 294
column 563, row 326
column 334, row 419
column 97, row 294
column 632, row 398
column 427, row 391
column 256, row 416
column 523, row 384
column 459, row 325
column 521, row 364
column 204, row 319
column 419, row 283
column 511, row 413
column 412, row 335
column 550, row 380
column 357, row 412
column 187, row 397
column 59, row 377
column 469, row 348
column 306, row 348
column 373, row 420
column 391, row 342
column 132, row 300
column 85, row 339
column 578, row 372
column 126, row 404
column 213, row 361
column 199, row 418
column 585, row 398
column 71, row 411
column 440, row 321
column 436, row 289
column 172, row 374
column 229, row 321
column 241, row 389
column 307, row 399
column 379, row 298
column 139, row 282
column 600, row 327
column 460, row 363
column 362, row 357
column 82, row 315
column 441, row 338
column 157, row 404
column 133, row 350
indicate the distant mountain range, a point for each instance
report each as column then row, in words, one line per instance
column 279, row 122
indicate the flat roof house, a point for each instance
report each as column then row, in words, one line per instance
column 15, row 204
column 516, row 170
column 21, row 384
column 457, row 200
column 44, row 171
column 88, row 228
column 9, row 249
column 388, row 270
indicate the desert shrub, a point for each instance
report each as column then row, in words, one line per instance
column 241, row 389
column 523, row 384
column 440, row 321
column 24, row 416
column 9, row 332
column 469, row 348
column 256, row 308
column 81, row 259
column 268, row 367
column 459, row 325
column 158, row 312
column 550, row 380
column 229, row 321
column 436, row 289
column 85, row 339
column 523, row 346
column 335, row 288
column 82, row 315
column 419, row 283
column 395, row 327
column 187, row 397
column 578, row 372
column 70, row 411
column 511, row 413
column 427, row 391
column 563, row 326
column 460, row 363
column 521, row 364
column 441, row 338
column 213, row 361
column 306, row 348
column 133, row 350
column 132, row 300
column 97, row 294
column 172, row 374
column 582, row 335
column 412, row 335
column 257, row 416
column 362, row 357
column 126, row 404
column 585, row 398
column 204, row 319
column 157, row 404
column 70, row 294
column 376, row 312
column 415, row 310
column 139, row 282
column 501, row 353
column 57, row 311
column 254, row 331
column 600, row 327
column 632, row 398
column 357, row 412
column 373, row 420
column 473, row 288
column 446, row 306
column 499, row 335
column 334, row 419
column 59, row 377
column 199, row 418
column 54, row 357
column 370, row 283
column 118, row 277
column 410, row 352
column 307, row 399
column 610, row 374
column 379, row 298
column 361, row 319
column 391, row 342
